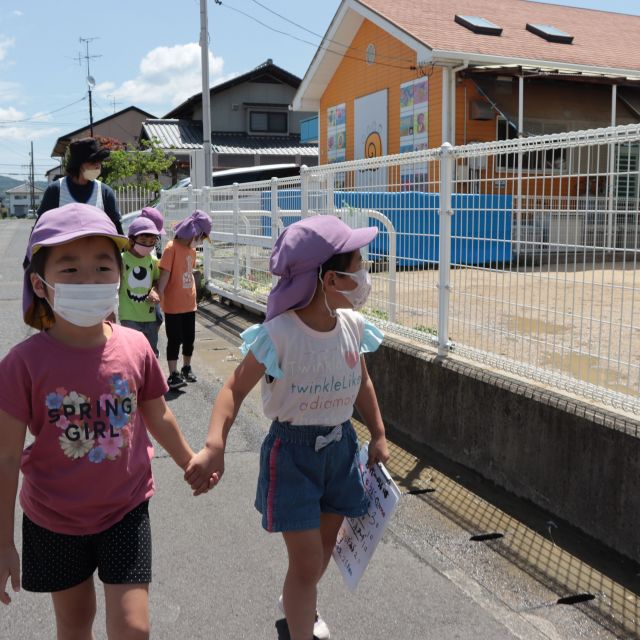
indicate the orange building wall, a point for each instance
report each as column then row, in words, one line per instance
column 355, row 78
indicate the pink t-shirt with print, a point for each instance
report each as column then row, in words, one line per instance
column 90, row 461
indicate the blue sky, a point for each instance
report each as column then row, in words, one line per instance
column 148, row 57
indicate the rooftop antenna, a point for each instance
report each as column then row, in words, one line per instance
column 91, row 83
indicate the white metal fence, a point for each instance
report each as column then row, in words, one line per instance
column 520, row 254
column 132, row 198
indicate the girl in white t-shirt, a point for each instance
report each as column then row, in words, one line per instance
column 309, row 355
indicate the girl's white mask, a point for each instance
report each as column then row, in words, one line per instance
column 91, row 174
column 358, row 296
column 84, row 305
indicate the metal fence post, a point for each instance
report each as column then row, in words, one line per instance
column 331, row 200
column 304, row 190
column 275, row 219
column 236, row 247
column 444, row 260
column 206, row 206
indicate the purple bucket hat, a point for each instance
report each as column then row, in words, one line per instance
column 197, row 224
column 300, row 250
column 65, row 224
column 150, row 220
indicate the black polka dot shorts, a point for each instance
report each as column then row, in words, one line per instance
column 56, row 561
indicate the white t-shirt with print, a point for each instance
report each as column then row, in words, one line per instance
column 314, row 376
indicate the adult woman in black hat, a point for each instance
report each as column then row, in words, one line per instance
column 81, row 183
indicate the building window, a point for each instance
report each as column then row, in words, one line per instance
column 268, row 122
column 548, row 160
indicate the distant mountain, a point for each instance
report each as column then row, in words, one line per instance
column 8, row 183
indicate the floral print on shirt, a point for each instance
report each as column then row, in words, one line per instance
column 100, row 428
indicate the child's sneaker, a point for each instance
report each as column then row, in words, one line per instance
column 188, row 375
column 320, row 628
column 175, row 381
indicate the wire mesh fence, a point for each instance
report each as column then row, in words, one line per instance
column 520, row 254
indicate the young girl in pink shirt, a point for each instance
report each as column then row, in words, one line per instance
column 88, row 391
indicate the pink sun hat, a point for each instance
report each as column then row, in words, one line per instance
column 301, row 250
column 150, row 221
column 59, row 226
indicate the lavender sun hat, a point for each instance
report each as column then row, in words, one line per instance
column 59, row 226
column 300, row 250
column 150, row 221
column 197, row 224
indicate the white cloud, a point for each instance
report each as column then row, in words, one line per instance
column 5, row 44
column 22, row 133
column 168, row 75
column 9, row 91
column 10, row 113
column 17, row 12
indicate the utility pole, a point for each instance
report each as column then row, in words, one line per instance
column 91, row 83
column 32, row 181
column 206, row 104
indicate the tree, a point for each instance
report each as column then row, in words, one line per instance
column 140, row 167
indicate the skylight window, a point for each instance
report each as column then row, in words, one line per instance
column 479, row 25
column 549, row 33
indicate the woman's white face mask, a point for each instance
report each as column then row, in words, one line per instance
column 84, row 305
column 358, row 296
column 91, row 174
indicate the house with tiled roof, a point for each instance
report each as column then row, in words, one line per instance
column 251, row 122
column 423, row 72
column 123, row 125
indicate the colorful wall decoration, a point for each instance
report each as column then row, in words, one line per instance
column 337, row 133
column 414, row 127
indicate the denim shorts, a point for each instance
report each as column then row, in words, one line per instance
column 297, row 483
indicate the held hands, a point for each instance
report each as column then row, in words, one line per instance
column 9, row 568
column 378, row 451
column 205, row 469
column 153, row 297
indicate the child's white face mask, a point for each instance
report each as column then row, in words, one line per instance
column 84, row 305
column 143, row 249
column 358, row 296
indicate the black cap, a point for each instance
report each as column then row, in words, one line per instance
column 86, row 150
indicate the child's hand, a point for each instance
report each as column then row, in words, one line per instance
column 378, row 451
column 153, row 297
column 9, row 568
column 205, row 469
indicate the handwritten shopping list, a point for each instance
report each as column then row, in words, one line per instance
column 358, row 537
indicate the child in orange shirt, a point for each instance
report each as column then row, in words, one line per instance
column 177, row 289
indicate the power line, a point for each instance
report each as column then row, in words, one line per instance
column 41, row 115
column 313, row 44
column 318, row 35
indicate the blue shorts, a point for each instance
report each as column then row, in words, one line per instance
column 297, row 483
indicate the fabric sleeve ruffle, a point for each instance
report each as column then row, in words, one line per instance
column 371, row 338
column 257, row 340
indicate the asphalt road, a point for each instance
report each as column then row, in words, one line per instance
column 217, row 574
